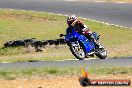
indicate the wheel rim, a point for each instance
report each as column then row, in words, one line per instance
column 103, row 52
column 78, row 49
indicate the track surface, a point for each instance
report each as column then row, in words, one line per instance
column 113, row 13
column 120, row 14
column 125, row 62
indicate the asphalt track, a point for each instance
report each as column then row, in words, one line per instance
column 120, row 14
column 113, row 13
column 117, row 62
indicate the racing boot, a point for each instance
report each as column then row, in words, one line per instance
column 96, row 43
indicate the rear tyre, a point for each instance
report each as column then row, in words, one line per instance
column 77, row 50
column 101, row 53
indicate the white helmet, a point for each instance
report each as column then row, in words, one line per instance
column 71, row 19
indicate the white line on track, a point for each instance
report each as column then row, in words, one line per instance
column 121, row 2
column 53, row 60
column 112, row 2
column 98, row 1
column 5, row 62
column 79, row 17
column 70, row 0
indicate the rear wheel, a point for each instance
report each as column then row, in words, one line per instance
column 101, row 53
column 77, row 50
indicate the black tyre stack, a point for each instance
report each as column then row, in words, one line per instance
column 33, row 42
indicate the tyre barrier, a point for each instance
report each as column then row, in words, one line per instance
column 19, row 42
column 35, row 43
column 29, row 41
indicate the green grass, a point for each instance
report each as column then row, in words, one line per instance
column 22, row 24
column 12, row 74
column 110, row 70
column 19, row 54
column 16, row 25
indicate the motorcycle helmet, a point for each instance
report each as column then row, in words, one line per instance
column 71, row 19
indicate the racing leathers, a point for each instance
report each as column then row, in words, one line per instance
column 83, row 29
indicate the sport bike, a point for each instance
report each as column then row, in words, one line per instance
column 82, row 47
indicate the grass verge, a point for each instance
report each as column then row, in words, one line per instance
column 55, row 71
column 17, row 24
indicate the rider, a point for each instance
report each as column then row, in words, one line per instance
column 80, row 28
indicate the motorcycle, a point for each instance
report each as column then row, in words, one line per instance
column 82, row 47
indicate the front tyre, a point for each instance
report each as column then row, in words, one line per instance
column 101, row 53
column 77, row 50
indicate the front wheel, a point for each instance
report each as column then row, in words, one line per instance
column 77, row 50
column 101, row 53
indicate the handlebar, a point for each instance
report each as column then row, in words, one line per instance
column 61, row 35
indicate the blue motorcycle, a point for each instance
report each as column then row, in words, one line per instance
column 82, row 47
